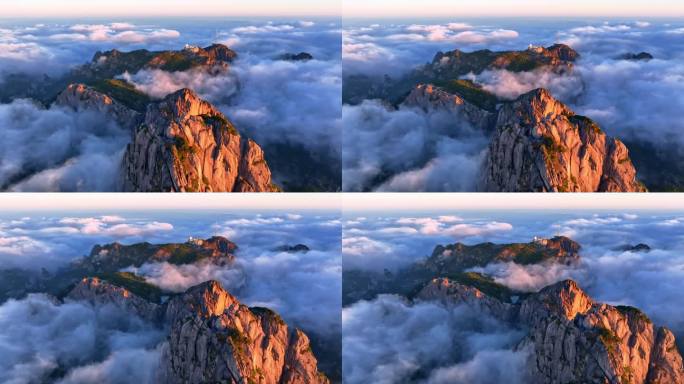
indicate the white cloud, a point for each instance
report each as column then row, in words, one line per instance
column 178, row 278
column 388, row 339
column 124, row 33
column 20, row 246
column 454, row 33
column 363, row 246
column 263, row 29
column 38, row 335
column 440, row 226
column 112, row 226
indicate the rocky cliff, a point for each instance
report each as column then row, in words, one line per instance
column 429, row 97
column 80, row 97
column 214, row 338
column 540, row 145
column 186, row 145
column 574, row 339
column 99, row 291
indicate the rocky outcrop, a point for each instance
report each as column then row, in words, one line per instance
column 214, row 338
column 458, row 256
column 451, row 293
column 97, row 291
column 298, row 248
column 573, row 339
column 452, row 64
column 430, row 98
column 456, row 260
column 577, row 340
column 112, row 63
column 301, row 56
column 540, row 145
column 115, row 256
column 641, row 56
column 186, row 145
column 80, row 97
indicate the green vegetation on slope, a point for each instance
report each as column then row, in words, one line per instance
column 123, row 92
column 471, row 92
column 183, row 149
column 183, row 253
column 633, row 312
column 485, row 284
column 220, row 122
column 267, row 312
column 585, row 122
column 134, row 283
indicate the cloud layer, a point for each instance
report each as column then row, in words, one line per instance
column 388, row 340
column 88, row 343
column 408, row 149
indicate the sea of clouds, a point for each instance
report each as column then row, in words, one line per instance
column 633, row 100
column 388, row 340
column 270, row 100
column 649, row 281
column 39, row 333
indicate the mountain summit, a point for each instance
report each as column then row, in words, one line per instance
column 185, row 144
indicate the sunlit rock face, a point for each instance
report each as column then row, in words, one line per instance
column 97, row 291
column 214, row 338
column 81, row 97
column 573, row 339
column 429, row 97
column 540, row 145
column 187, row 145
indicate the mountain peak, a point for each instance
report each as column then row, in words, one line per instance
column 566, row 299
column 541, row 145
column 194, row 148
column 205, row 300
